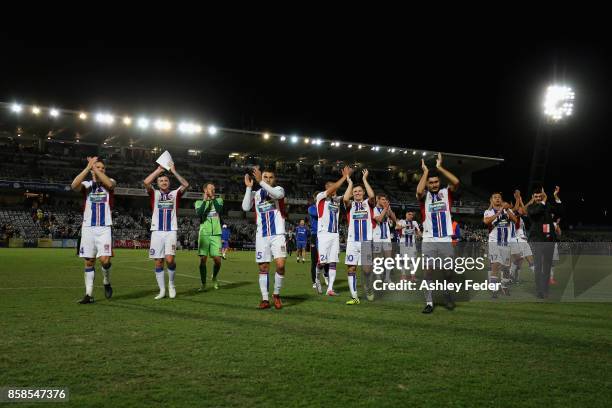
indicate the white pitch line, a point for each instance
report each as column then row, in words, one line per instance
column 68, row 287
column 179, row 274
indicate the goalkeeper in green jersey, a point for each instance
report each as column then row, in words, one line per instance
column 209, row 243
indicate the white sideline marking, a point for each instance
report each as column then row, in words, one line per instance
column 179, row 274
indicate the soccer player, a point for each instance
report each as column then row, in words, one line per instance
column 301, row 237
column 409, row 230
column 360, row 231
column 520, row 249
column 557, row 226
column 501, row 221
column 164, row 225
column 270, row 239
column 383, row 217
column 96, row 239
column 290, row 240
column 225, row 237
column 209, row 209
column 328, row 245
column 437, row 222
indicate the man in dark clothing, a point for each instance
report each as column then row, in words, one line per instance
column 542, row 214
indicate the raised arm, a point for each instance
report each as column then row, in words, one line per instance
column 184, row 183
column 346, row 172
column 76, row 183
column 346, row 198
column 151, row 177
column 247, row 201
column 366, row 184
column 276, row 193
column 510, row 213
column 420, row 191
column 452, row 179
column 106, row 181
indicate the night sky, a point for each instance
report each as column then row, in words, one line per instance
column 460, row 95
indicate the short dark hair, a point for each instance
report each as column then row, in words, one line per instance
column 163, row 175
column 433, row 173
column 207, row 184
column 267, row 170
column 382, row 195
column 359, row 185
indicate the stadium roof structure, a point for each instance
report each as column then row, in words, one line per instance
column 67, row 127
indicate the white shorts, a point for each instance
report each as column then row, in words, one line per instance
column 328, row 246
column 382, row 246
column 499, row 254
column 521, row 248
column 269, row 248
column 163, row 243
column 556, row 253
column 96, row 242
column 358, row 253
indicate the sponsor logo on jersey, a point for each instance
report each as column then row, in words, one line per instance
column 437, row 206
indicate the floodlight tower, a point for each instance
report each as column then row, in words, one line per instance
column 557, row 107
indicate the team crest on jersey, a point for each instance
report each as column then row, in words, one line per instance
column 106, row 247
column 174, row 247
column 152, row 251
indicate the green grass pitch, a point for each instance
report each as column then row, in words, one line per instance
column 216, row 349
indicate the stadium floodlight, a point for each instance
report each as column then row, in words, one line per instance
column 294, row 139
column 266, row 136
column 16, row 108
column 283, row 138
column 212, row 130
column 104, row 118
column 54, row 112
column 424, row 153
column 360, row 146
column 35, row 110
column 161, row 124
column 82, row 115
column 413, row 152
column 317, row 142
column 350, row 146
column 393, row 150
column 307, row 140
column 191, row 128
column 558, row 102
column 337, row 144
column 127, row 121
column 143, row 123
